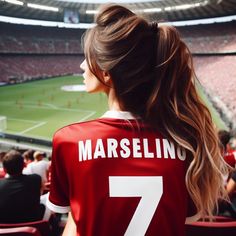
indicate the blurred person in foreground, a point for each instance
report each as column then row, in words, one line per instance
column 19, row 194
column 152, row 161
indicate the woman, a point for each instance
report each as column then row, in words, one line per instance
column 134, row 170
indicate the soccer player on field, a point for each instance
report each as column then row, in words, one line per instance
column 151, row 162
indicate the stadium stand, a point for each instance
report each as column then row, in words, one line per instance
column 210, row 38
column 31, row 52
column 214, row 52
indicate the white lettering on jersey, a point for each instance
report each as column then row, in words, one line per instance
column 147, row 154
column 112, row 145
column 125, row 152
column 169, row 149
column 99, row 150
column 136, row 148
column 181, row 153
column 158, row 148
column 85, row 150
column 125, row 148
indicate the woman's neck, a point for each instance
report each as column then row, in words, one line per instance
column 113, row 103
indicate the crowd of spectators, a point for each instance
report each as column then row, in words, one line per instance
column 217, row 75
column 210, row 38
column 32, row 52
column 25, row 39
column 214, row 51
column 20, row 68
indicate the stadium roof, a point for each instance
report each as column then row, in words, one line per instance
column 167, row 10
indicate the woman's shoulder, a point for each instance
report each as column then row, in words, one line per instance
column 76, row 128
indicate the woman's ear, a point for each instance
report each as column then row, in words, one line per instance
column 107, row 78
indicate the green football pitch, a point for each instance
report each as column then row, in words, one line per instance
column 38, row 108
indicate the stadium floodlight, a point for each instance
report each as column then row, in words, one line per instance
column 150, row 10
column 16, row 2
column 91, row 12
column 42, row 7
column 186, row 6
column 15, row 20
column 105, row 1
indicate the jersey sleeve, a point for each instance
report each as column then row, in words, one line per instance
column 58, row 200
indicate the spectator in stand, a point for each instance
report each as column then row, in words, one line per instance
column 28, row 156
column 19, row 193
column 227, row 152
column 39, row 166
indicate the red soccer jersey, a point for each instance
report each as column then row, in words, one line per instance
column 119, row 177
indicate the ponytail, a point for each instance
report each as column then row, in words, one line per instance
column 175, row 106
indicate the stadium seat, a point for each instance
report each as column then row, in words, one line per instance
column 42, row 226
column 20, row 231
column 218, row 227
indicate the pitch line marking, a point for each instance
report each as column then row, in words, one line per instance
column 51, row 105
column 23, row 120
column 47, row 107
column 86, row 117
column 33, row 127
column 56, row 108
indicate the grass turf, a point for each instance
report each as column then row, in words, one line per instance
column 38, row 108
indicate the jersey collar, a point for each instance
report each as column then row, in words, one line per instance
column 125, row 115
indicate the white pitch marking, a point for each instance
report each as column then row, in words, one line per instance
column 23, row 120
column 51, row 105
column 33, row 127
column 57, row 108
column 86, row 117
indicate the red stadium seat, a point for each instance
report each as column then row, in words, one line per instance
column 42, row 226
column 20, row 231
column 218, row 227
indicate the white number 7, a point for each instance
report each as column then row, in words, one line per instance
column 149, row 188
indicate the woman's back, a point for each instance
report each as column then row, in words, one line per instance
column 123, row 177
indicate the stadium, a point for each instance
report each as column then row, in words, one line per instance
column 41, row 83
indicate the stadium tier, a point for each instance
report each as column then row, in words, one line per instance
column 32, row 52
column 210, row 38
column 20, row 68
column 37, row 39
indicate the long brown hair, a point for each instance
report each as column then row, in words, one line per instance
column 152, row 75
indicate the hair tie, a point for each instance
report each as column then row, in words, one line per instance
column 153, row 27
